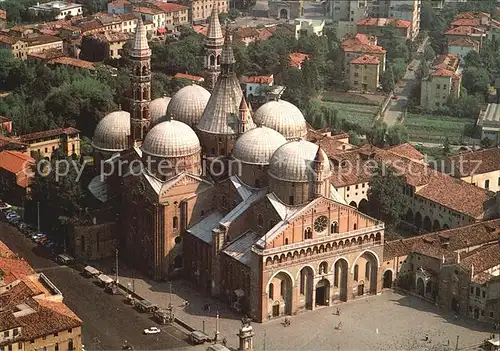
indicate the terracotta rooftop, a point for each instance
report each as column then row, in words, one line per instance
column 408, row 151
column 443, row 72
column 464, row 42
column 9, row 39
column 47, row 54
column 18, row 164
column 13, row 267
column 203, row 30
column 257, row 79
column 5, row 141
column 169, row 6
column 362, row 44
column 449, row 240
column 475, row 162
column 365, row 60
column 471, row 15
column 189, row 76
column 483, row 258
column 382, row 22
column 148, row 10
column 42, row 40
column 74, row 62
column 464, row 31
column 118, row 4
column 482, row 278
column 89, row 25
column 112, row 36
column 297, row 58
column 49, row 133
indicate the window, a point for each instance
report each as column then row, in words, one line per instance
column 283, row 288
column 9, row 348
column 484, row 294
column 56, row 334
column 308, row 233
column 355, row 226
column 356, row 272
column 70, row 331
column 286, row 241
column 175, row 222
column 472, row 290
column 19, row 345
column 334, row 228
column 368, row 270
column 15, row 332
column 271, row 291
column 260, row 220
column 6, row 334
column 478, row 291
column 487, row 184
column 70, row 344
column 491, row 314
column 438, row 86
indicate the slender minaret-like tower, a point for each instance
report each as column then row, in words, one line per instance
column 214, row 41
column 318, row 173
column 140, row 95
column 243, row 120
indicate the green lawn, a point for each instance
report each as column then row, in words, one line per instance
column 428, row 128
column 362, row 115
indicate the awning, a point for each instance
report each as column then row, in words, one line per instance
column 162, row 30
column 105, row 279
column 91, row 270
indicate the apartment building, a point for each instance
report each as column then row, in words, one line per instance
column 375, row 26
column 489, row 122
column 308, row 27
column 200, row 10
column 115, row 41
column 17, row 46
column 360, row 45
column 364, row 73
column 407, row 10
column 46, row 142
column 163, row 15
column 462, row 46
column 442, row 83
column 345, row 15
column 61, row 9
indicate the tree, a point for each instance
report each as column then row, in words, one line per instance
column 94, row 49
column 233, row 14
column 476, row 80
column 396, row 135
column 446, row 146
column 376, row 136
column 486, row 143
column 386, row 194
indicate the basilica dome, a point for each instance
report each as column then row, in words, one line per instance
column 188, row 104
column 258, row 145
column 283, row 117
column 171, row 139
column 158, row 108
column 111, row 133
column 294, row 162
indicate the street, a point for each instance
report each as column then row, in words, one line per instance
column 107, row 320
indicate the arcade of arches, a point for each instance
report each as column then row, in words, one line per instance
column 425, row 223
column 322, row 283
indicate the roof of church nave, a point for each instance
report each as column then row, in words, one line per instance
column 222, row 111
column 171, row 139
column 158, row 108
column 283, row 117
column 258, row 145
column 188, row 104
column 111, row 133
column 294, row 162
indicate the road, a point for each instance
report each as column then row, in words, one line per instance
column 108, row 321
column 403, row 90
column 452, row 147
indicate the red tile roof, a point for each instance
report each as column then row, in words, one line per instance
column 147, row 10
column 118, row 4
column 49, row 133
column 464, row 42
column 482, row 258
column 472, row 22
column 297, row 58
column 258, row 79
column 464, row 31
column 19, row 164
column 189, row 76
column 475, row 162
column 408, row 151
column 74, row 62
column 5, row 141
column 361, row 44
column 447, row 61
column 365, row 60
column 169, row 6
column 471, row 15
column 203, row 30
column 382, row 22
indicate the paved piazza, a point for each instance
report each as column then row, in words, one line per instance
column 389, row 321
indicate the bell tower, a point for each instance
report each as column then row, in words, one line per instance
column 214, row 41
column 140, row 95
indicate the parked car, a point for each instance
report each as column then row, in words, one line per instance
column 4, row 206
column 34, row 237
column 152, row 330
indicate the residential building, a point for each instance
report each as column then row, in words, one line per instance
column 191, row 78
column 375, row 26
column 175, row 15
column 480, row 168
column 489, row 122
column 256, row 86
column 43, row 43
column 46, row 142
column 467, row 32
column 5, row 125
column 33, row 315
column 345, row 15
column 286, row 9
column 115, row 41
column 201, row 10
column 364, row 73
column 360, row 45
column 297, row 59
column 72, row 62
column 3, row 18
column 119, row 7
column 248, row 35
column 8, row 143
column 442, row 83
column 307, row 27
column 16, row 174
column 153, row 14
column 407, row 10
column 478, row 20
column 61, row 9
column 457, row 268
column 17, row 46
column 462, row 46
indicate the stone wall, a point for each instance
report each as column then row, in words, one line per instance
column 93, row 242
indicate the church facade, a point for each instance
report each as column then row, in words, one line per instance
column 238, row 202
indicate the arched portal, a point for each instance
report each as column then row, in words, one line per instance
column 420, row 286
column 409, row 216
column 363, row 206
column 323, row 293
column 340, row 271
column 353, row 204
column 436, row 226
column 284, row 14
column 282, row 294
column 427, row 224
column 367, row 264
column 418, row 220
column 306, row 286
column 387, row 279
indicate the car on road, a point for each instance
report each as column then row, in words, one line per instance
column 152, row 330
column 37, row 236
column 4, row 206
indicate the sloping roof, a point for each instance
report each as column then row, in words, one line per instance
column 365, row 60
column 408, row 151
column 18, row 164
column 361, row 44
column 258, row 79
column 169, row 6
column 74, row 62
column 189, row 76
column 203, row 229
column 464, row 31
column 297, row 58
column 48, row 133
column 464, row 42
column 382, row 22
column 241, row 248
column 475, row 162
column 482, row 258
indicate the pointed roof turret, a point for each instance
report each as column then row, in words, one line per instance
column 243, row 103
column 140, row 47
column 227, row 51
column 214, row 33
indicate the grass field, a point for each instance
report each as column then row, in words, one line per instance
column 428, row 128
column 362, row 115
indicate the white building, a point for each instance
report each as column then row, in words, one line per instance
column 489, row 122
column 61, row 9
column 345, row 14
column 308, row 27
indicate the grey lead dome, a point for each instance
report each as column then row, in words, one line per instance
column 111, row 133
column 171, row 139
column 158, row 108
column 294, row 162
column 188, row 104
column 258, row 145
column 283, row 117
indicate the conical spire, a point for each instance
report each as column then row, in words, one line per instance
column 214, row 28
column 244, row 116
column 227, row 51
column 140, row 46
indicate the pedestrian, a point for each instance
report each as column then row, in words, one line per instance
column 338, row 311
column 339, row 326
column 426, row 337
column 186, row 304
column 224, row 341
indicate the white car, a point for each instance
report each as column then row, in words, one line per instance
column 4, row 206
column 152, row 330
